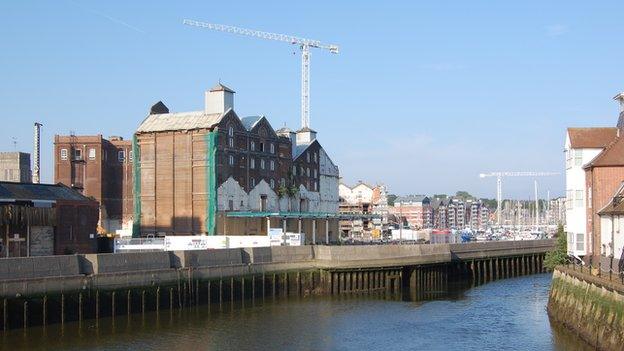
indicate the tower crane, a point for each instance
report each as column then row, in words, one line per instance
column 499, row 185
column 304, row 45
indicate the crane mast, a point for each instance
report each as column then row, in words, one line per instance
column 304, row 45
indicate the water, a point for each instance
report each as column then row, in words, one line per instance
column 503, row 315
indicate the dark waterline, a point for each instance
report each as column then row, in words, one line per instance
column 503, row 315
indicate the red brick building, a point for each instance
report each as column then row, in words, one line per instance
column 603, row 176
column 45, row 219
column 99, row 168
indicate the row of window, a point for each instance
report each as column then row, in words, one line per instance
column 304, row 171
column 314, row 157
column 574, row 198
column 574, row 158
column 121, row 155
column 252, row 163
column 282, row 182
column 252, row 144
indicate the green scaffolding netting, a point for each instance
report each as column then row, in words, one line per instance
column 136, row 191
column 211, row 175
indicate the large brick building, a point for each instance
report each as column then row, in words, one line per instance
column 211, row 172
column 99, row 168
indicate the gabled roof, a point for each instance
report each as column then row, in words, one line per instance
column 45, row 192
column 180, row 121
column 587, row 138
column 616, row 205
column 301, row 148
column 411, row 198
column 612, row 155
column 251, row 121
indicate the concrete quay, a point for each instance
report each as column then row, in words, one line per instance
column 55, row 289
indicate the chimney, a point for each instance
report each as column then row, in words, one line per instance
column 219, row 99
column 305, row 135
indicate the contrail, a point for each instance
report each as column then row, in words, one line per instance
column 112, row 19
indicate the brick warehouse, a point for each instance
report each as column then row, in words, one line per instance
column 212, row 172
column 100, row 168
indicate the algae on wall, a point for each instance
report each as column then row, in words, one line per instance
column 592, row 311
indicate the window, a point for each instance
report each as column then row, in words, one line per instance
column 569, row 199
column 77, row 154
column 315, row 173
column 261, row 163
column 261, row 147
column 272, row 184
column 578, row 199
column 308, row 172
column 294, row 170
column 580, row 242
column 272, row 148
column 315, row 157
column 252, row 163
column 578, row 157
column 121, row 155
column 231, row 131
column 231, row 160
column 130, row 155
column 253, row 182
column 231, row 142
column 63, row 154
column 315, row 186
column 272, row 165
column 308, row 157
column 568, row 157
column 252, row 146
column 283, row 182
column 92, row 154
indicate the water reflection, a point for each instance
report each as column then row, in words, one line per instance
column 506, row 314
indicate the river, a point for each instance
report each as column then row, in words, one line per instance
column 502, row 315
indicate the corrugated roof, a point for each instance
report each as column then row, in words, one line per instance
column 591, row 137
column 180, row 121
column 250, row 121
column 30, row 191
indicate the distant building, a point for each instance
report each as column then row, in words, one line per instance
column 45, row 219
column 99, row 168
column 612, row 232
column 556, row 214
column 415, row 209
column 15, row 167
column 363, row 199
column 211, row 172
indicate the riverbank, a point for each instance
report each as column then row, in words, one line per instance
column 591, row 306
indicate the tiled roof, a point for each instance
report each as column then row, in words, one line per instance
column 221, row 87
column 180, row 121
column 591, row 137
column 612, row 155
column 411, row 198
column 616, row 205
column 31, row 191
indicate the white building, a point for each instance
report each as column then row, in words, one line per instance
column 581, row 146
column 612, row 232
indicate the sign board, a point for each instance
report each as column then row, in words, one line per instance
column 236, row 241
column 194, row 242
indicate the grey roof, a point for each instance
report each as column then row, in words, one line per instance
column 250, row 121
column 180, row 121
column 221, row 87
column 411, row 198
column 300, row 149
column 30, row 191
column 306, row 129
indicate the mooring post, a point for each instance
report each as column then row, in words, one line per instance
column 208, row 293
column 5, row 314
column 97, row 305
column 44, row 318
column 25, row 314
column 274, row 285
column 113, row 304
column 243, row 289
column 80, row 306
column 171, row 300
column 62, row 308
column 129, row 302
column 253, row 288
column 158, row 299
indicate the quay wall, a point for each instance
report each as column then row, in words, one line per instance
column 591, row 306
column 55, row 289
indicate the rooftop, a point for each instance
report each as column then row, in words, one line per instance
column 180, row 121
column 44, row 192
column 587, row 138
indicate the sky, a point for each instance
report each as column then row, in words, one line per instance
column 423, row 96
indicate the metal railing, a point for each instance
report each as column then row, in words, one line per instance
column 597, row 271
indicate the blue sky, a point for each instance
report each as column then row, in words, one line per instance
column 423, row 95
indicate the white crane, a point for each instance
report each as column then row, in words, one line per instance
column 304, row 45
column 499, row 185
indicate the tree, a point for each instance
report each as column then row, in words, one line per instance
column 559, row 255
column 464, row 195
column 440, row 196
column 391, row 198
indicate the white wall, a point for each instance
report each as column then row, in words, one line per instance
column 329, row 183
column 231, row 190
column 576, row 216
column 606, row 235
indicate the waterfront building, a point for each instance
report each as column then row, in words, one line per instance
column 15, row 167
column 99, row 168
column 413, row 208
column 45, row 219
column 582, row 145
column 365, row 200
column 612, row 232
column 212, row 172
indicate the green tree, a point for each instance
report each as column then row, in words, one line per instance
column 391, row 198
column 559, row 255
column 463, row 194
